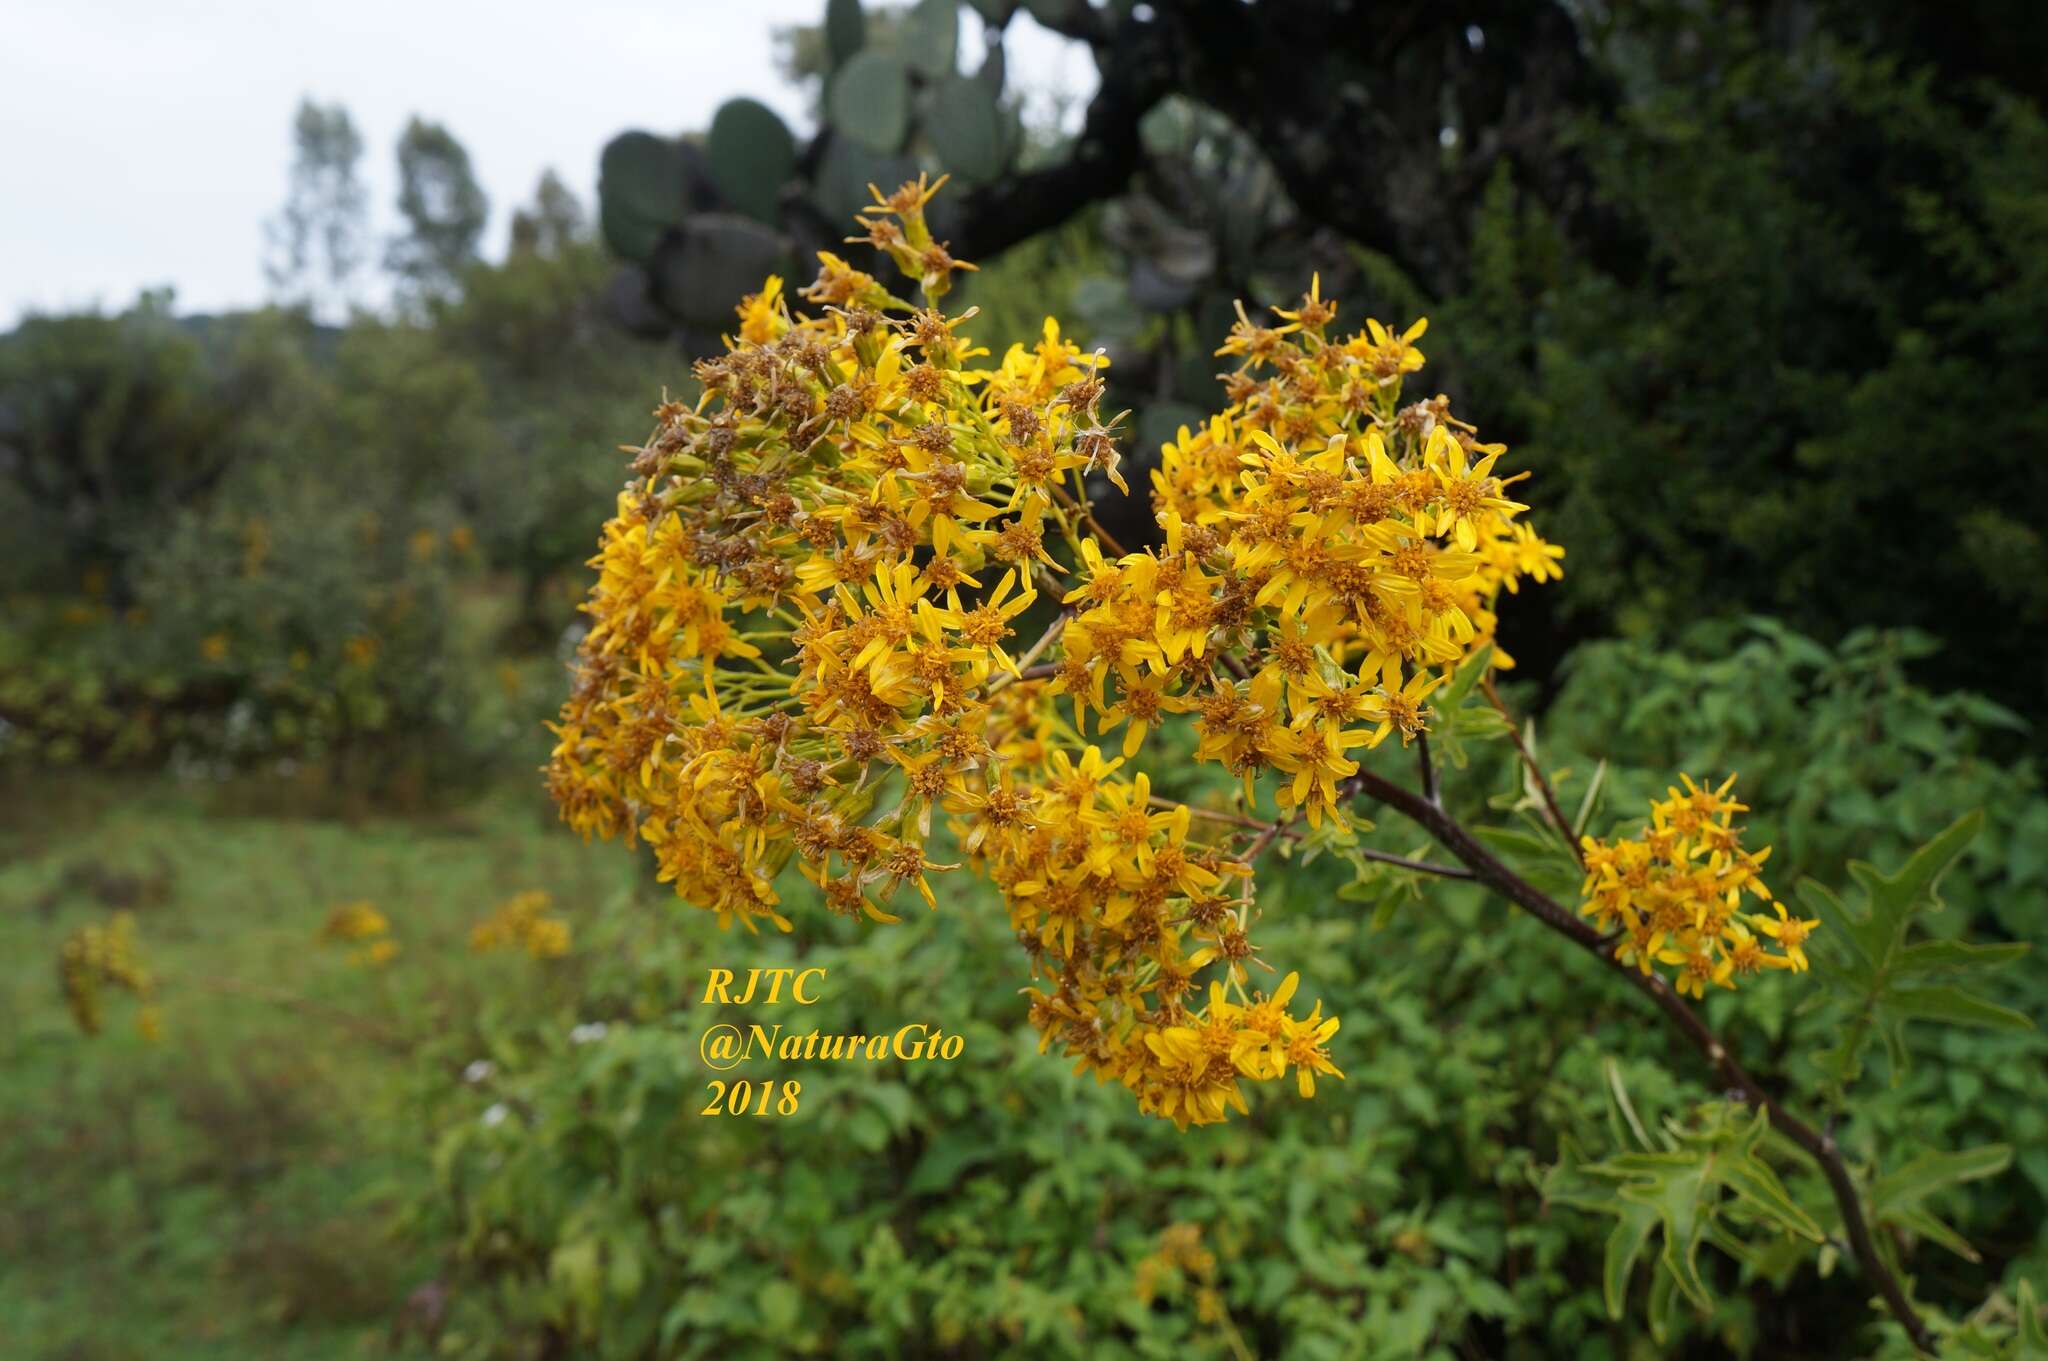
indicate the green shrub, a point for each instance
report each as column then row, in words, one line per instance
column 1000, row 1206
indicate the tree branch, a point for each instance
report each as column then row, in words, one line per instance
column 1102, row 160
column 1490, row 871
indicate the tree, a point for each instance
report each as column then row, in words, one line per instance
column 444, row 210
column 319, row 239
column 1697, row 256
column 106, row 422
column 552, row 223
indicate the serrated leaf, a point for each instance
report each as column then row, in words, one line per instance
column 1839, row 923
column 1933, row 1172
column 1932, row 956
column 1953, row 1005
column 1760, row 1188
column 1677, row 1200
column 1567, row 1182
column 1663, row 1295
column 1624, row 1246
column 1934, row 1231
column 1893, row 897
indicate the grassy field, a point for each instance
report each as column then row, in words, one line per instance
column 227, row 1190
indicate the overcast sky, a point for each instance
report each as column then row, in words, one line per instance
column 144, row 142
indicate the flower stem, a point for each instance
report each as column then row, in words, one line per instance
column 1490, row 871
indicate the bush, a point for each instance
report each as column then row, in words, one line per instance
column 1332, row 562
column 1001, row 1206
column 298, row 604
column 1831, row 250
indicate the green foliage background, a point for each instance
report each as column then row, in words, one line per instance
column 283, row 608
column 576, row 1200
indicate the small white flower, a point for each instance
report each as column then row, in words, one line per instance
column 588, row 1032
column 478, row 1071
column 495, row 1115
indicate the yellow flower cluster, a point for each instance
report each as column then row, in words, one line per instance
column 522, row 922
column 94, row 958
column 802, row 642
column 1675, row 893
column 361, row 925
column 1180, row 1263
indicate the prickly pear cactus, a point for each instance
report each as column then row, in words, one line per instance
column 698, row 220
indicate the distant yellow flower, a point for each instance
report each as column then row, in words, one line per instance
column 521, row 922
column 362, row 925
column 355, row 921
column 96, row 957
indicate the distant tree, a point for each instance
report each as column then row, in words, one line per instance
column 318, row 241
column 444, row 211
column 109, row 422
column 552, row 223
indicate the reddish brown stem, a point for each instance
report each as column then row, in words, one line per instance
column 1490, row 871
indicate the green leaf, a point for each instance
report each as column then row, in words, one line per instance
column 780, row 1306
column 945, row 1159
column 1708, row 1181
column 1679, row 1200
column 1516, row 841
column 1954, row 1006
column 1663, row 1294
column 1924, row 1224
column 1931, row 956
column 1863, row 949
column 1621, row 1111
column 1480, row 725
column 1624, row 1246
column 2033, row 1331
column 1590, row 804
column 575, row 1267
column 1934, row 1172
column 867, row 1129
column 1465, row 679
column 1894, row 897
column 1760, row 1188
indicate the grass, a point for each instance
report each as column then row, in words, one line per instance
column 229, row 1189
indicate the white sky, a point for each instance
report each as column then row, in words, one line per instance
column 145, row 142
